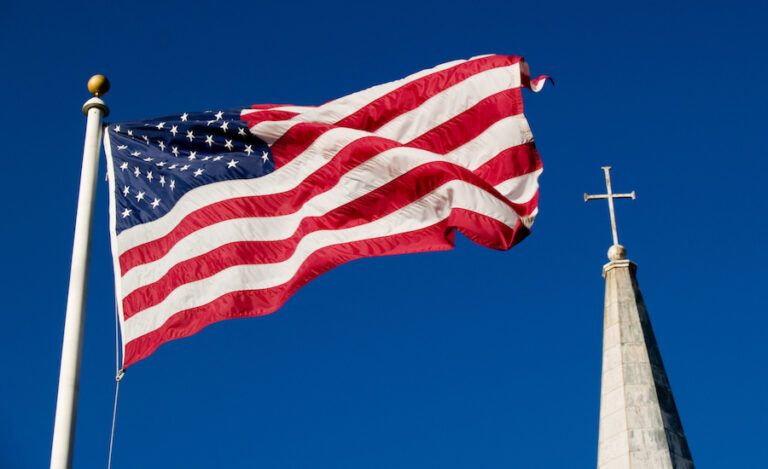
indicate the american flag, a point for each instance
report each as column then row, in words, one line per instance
column 224, row 214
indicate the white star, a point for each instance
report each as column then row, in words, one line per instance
column 219, row 115
column 175, row 151
column 122, row 147
column 126, row 191
column 264, row 156
column 155, row 203
column 229, row 145
column 162, row 181
column 248, row 149
column 231, row 164
column 136, row 171
column 124, row 166
column 174, row 130
column 130, row 133
column 190, row 135
column 173, row 166
column 161, row 144
column 160, row 164
column 146, row 139
column 149, row 176
column 117, row 128
column 241, row 132
column 126, row 212
column 192, row 155
column 148, row 159
column 198, row 172
column 184, row 117
column 184, row 168
column 139, row 196
column 173, row 184
column 135, row 153
column 208, row 123
column 206, row 158
column 209, row 140
column 160, row 125
column 218, row 158
column 224, row 126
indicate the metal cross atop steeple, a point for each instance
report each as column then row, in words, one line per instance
column 610, row 196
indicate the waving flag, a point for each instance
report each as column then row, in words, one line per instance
column 225, row 214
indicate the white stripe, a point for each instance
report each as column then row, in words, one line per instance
column 520, row 189
column 340, row 108
column 538, row 85
column 508, row 132
column 451, row 102
column 428, row 210
column 270, row 131
column 499, row 136
column 367, row 177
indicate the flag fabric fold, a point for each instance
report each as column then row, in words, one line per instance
column 225, row 214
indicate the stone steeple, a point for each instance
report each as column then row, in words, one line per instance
column 640, row 427
column 639, row 423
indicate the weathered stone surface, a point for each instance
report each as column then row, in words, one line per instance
column 639, row 424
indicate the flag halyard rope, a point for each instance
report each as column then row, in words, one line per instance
column 119, row 373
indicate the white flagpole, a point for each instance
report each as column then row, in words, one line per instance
column 69, row 376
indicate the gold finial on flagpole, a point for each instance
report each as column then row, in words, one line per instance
column 98, row 85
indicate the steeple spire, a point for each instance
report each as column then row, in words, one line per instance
column 640, row 427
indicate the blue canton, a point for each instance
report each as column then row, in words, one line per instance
column 157, row 161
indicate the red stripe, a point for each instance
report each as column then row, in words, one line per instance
column 413, row 94
column 386, row 199
column 262, row 116
column 297, row 139
column 467, row 125
column 268, row 106
column 376, row 114
column 259, row 302
column 493, row 231
column 509, row 163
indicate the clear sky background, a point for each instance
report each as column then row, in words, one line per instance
column 465, row 359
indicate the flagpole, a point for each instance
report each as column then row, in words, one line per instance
column 71, row 352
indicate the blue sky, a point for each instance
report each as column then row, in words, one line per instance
column 469, row 358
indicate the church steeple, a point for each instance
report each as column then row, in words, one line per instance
column 639, row 423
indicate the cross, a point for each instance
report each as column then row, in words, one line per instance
column 610, row 196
